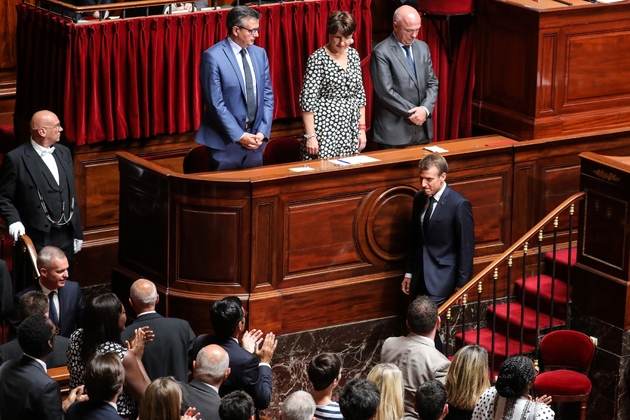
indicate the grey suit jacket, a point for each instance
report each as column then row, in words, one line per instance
column 419, row 361
column 397, row 90
column 202, row 397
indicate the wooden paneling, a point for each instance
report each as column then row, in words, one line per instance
column 548, row 71
column 8, row 23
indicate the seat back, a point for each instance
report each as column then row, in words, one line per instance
column 566, row 349
column 197, row 160
column 282, row 150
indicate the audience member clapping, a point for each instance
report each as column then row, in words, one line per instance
column 103, row 321
column 324, row 372
column 466, row 380
column 388, row 379
column 509, row 399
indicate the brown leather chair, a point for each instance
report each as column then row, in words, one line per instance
column 282, row 150
column 197, row 160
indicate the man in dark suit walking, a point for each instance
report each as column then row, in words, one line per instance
column 210, row 369
column 168, row 353
column 250, row 368
column 26, row 390
column 405, row 85
column 442, row 248
column 65, row 298
column 37, row 190
column 237, row 91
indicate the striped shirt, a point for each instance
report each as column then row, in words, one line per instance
column 328, row 412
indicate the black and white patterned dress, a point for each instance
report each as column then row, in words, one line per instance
column 491, row 406
column 125, row 404
column 334, row 96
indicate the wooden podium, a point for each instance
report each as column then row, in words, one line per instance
column 601, row 292
column 546, row 69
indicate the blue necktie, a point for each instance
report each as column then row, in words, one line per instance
column 52, row 309
column 249, row 88
column 407, row 49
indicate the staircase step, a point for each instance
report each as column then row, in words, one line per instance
column 530, row 332
column 531, row 288
column 562, row 262
column 485, row 341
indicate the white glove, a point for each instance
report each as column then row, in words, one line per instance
column 78, row 244
column 16, row 230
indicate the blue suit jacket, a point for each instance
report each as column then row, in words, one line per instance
column 92, row 410
column 223, row 91
column 444, row 258
column 71, row 304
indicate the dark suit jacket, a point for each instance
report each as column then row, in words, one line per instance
column 168, row 353
column 71, row 304
column 223, row 91
column 13, row 351
column 92, row 410
column 444, row 258
column 246, row 374
column 6, row 290
column 397, row 90
column 23, row 174
column 202, row 397
column 27, row 392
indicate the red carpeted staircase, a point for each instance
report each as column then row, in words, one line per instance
column 547, row 316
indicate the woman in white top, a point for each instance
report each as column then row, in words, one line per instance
column 509, row 399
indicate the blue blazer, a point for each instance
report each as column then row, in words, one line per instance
column 92, row 410
column 224, row 94
column 71, row 304
column 444, row 258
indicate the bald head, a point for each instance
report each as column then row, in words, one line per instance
column 143, row 296
column 212, row 365
column 45, row 128
column 406, row 24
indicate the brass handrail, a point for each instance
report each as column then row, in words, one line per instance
column 453, row 300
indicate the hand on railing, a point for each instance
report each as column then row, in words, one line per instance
column 16, row 230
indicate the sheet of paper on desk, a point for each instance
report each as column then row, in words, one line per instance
column 435, row 149
column 301, row 169
column 354, row 160
column 609, row 1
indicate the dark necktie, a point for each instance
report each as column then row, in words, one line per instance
column 249, row 88
column 407, row 49
column 52, row 310
column 427, row 216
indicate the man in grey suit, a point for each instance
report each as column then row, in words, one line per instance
column 404, row 84
column 416, row 355
column 209, row 371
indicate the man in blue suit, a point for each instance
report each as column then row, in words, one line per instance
column 66, row 301
column 237, row 91
column 440, row 258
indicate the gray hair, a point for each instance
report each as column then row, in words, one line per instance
column 298, row 406
column 238, row 14
column 138, row 295
column 46, row 255
column 210, row 369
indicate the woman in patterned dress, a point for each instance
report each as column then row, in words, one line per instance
column 509, row 399
column 332, row 97
column 104, row 319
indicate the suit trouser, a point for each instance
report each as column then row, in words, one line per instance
column 235, row 156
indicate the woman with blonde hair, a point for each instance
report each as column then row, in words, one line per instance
column 163, row 401
column 466, row 380
column 388, row 378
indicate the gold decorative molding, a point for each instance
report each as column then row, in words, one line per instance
column 607, row 176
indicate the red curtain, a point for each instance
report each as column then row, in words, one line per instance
column 453, row 112
column 139, row 77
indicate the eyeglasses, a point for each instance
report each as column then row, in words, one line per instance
column 251, row 31
column 55, row 127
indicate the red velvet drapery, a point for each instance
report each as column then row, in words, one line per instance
column 139, row 77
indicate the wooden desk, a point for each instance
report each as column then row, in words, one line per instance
column 546, row 69
column 303, row 250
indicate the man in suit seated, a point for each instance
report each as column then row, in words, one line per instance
column 416, row 355
column 359, row 400
column 66, row 301
column 167, row 354
column 210, row 369
column 32, row 303
column 298, row 406
column 250, row 365
column 26, row 390
column 431, row 401
column 104, row 379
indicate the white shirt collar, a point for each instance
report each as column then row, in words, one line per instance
column 438, row 195
column 41, row 150
column 235, row 47
column 41, row 362
column 146, row 313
